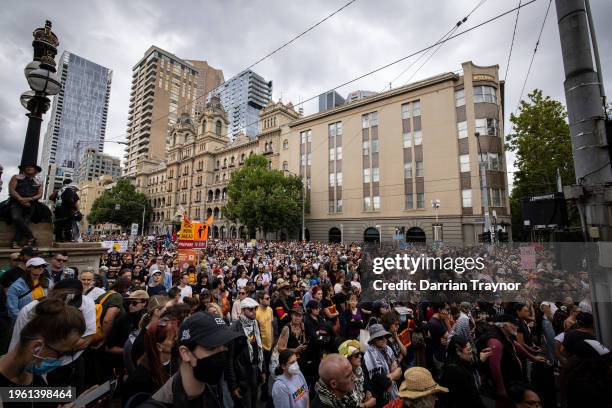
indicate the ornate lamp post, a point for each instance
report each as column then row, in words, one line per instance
column 44, row 82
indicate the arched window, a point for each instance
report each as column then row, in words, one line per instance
column 242, row 158
column 218, row 164
column 371, row 235
column 232, row 160
column 285, row 144
column 218, row 128
column 225, row 162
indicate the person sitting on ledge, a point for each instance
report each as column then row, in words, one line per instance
column 23, row 207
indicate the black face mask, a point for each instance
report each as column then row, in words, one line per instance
column 209, row 370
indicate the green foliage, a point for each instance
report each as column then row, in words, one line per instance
column 129, row 200
column 542, row 144
column 264, row 199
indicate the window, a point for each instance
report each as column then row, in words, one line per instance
column 339, row 153
column 309, row 159
column 409, row 201
column 418, row 137
column 462, row 131
column 407, row 140
column 374, row 119
column 365, row 121
column 331, row 206
column 332, row 154
column 218, row 128
column 419, row 168
column 496, row 197
column 339, row 179
column 332, row 180
column 485, row 94
column 309, row 136
column 366, row 175
column 285, row 166
column 464, row 162
column 303, row 160
column 376, row 203
column 420, row 200
column 494, row 161
column 374, row 146
column 459, row 98
column 466, row 197
column 375, row 175
column 303, row 135
column 285, row 144
column 408, row 169
column 416, row 108
column 338, row 205
column 366, row 148
column 367, row 204
column 405, row 111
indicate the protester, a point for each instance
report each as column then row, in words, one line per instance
column 419, row 390
column 334, row 389
column 245, row 368
column 57, row 268
column 379, row 359
column 290, row 389
column 67, row 212
column 351, row 349
column 156, row 286
column 524, row 397
column 54, row 331
column 88, row 279
column 18, row 266
column 32, row 286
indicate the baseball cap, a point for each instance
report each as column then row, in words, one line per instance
column 206, row 330
column 28, row 251
column 248, row 303
column 138, row 295
column 36, row 262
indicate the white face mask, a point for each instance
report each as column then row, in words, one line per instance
column 294, row 369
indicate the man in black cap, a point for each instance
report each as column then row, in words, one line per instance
column 203, row 340
column 25, row 189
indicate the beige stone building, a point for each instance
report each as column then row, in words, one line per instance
column 370, row 167
column 163, row 87
column 89, row 190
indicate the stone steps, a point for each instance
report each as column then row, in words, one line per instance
column 43, row 232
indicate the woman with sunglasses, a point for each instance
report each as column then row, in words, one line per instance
column 33, row 285
column 54, row 331
column 351, row 349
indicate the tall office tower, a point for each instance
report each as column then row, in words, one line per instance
column 94, row 164
column 208, row 79
column 163, row 87
column 242, row 97
column 78, row 118
column 330, row 100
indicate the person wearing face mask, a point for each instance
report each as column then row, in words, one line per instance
column 72, row 367
column 54, row 331
column 203, row 340
column 290, row 389
column 245, row 368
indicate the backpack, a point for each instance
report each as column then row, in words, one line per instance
column 99, row 336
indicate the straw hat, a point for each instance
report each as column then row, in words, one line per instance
column 418, row 383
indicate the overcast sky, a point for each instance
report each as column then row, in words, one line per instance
column 232, row 34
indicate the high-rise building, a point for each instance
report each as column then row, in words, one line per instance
column 163, row 87
column 94, row 164
column 78, row 118
column 330, row 100
column 242, row 97
column 208, row 79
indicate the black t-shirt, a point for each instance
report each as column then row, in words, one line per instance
column 121, row 329
column 573, row 337
column 36, row 382
column 156, row 290
column 524, row 329
column 437, row 329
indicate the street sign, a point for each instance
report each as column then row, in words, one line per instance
column 134, row 229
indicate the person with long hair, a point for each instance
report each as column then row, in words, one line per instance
column 33, row 285
column 460, row 375
column 154, row 367
column 54, row 331
column 290, row 389
column 353, row 318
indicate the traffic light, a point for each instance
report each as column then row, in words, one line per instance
column 484, row 237
column 502, row 236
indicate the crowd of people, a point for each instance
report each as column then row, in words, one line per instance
column 290, row 325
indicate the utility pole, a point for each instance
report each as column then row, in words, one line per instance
column 485, row 188
column 586, row 113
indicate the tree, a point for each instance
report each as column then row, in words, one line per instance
column 264, row 199
column 542, row 144
column 130, row 206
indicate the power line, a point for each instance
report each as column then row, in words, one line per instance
column 268, row 55
column 534, row 53
column 512, row 42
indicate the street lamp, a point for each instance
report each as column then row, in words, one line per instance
column 435, row 204
column 41, row 76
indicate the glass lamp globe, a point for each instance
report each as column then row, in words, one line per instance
column 25, row 98
column 45, row 81
column 31, row 67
